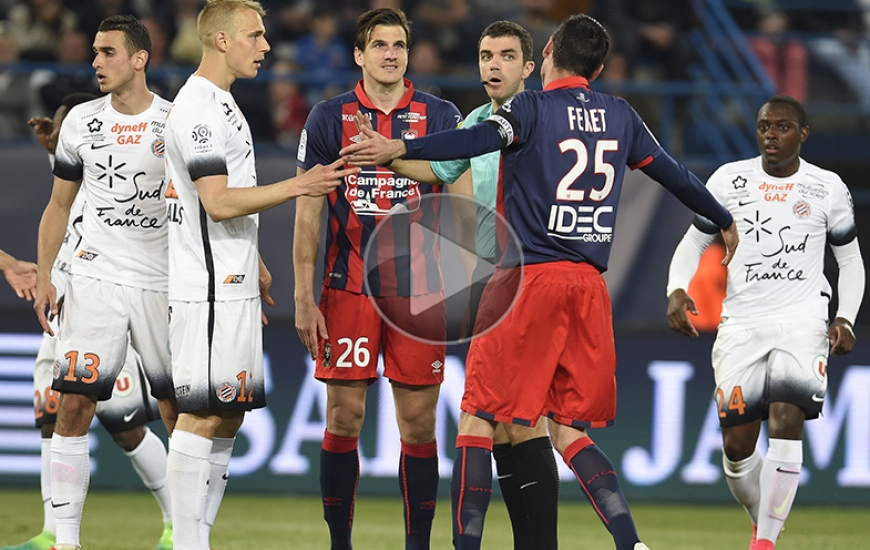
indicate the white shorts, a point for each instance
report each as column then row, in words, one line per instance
column 94, row 324
column 758, row 365
column 217, row 355
column 131, row 404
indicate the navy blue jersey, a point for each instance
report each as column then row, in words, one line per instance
column 564, row 153
column 363, row 199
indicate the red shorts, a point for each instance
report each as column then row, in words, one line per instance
column 357, row 333
column 552, row 355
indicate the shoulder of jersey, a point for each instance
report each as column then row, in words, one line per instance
column 819, row 173
column 743, row 167
column 88, row 108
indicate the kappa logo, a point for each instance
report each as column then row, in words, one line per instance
column 95, row 125
column 234, row 280
column 87, row 256
column 226, row 393
column 436, row 367
column 739, row 182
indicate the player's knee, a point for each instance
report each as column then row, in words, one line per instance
column 417, row 426
column 129, row 439
column 738, row 449
column 346, row 419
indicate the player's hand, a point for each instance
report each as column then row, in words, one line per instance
column 731, row 239
column 373, row 149
column 310, row 324
column 44, row 303
column 841, row 336
column 265, row 279
column 322, row 180
column 44, row 128
column 678, row 304
column 362, row 121
column 21, row 276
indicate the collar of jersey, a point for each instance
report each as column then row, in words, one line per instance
column 569, row 82
column 367, row 103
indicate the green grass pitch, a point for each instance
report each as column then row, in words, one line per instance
column 131, row 521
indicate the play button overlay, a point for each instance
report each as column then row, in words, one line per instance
column 445, row 270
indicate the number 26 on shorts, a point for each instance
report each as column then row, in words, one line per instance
column 735, row 401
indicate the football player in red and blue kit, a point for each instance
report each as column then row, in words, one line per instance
column 345, row 333
column 564, row 152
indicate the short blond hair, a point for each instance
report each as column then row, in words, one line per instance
column 218, row 15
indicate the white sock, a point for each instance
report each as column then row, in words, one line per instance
column 219, row 461
column 149, row 461
column 45, row 485
column 743, row 478
column 780, row 476
column 70, row 477
column 187, row 470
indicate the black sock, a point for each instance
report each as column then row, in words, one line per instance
column 339, row 475
column 508, row 481
column 418, row 481
column 470, row 490
column 538, row 478
column 597, row 477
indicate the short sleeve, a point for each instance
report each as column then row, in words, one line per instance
column 841, row 222
column 449, row 171
column 314, row 142
column 68, row 163
column 203, row 140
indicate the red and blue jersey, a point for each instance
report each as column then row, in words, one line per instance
column 564, row 153
column 362, row 200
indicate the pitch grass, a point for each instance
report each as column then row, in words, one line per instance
column 131, row 521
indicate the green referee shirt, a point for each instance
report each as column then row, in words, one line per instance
column 484, row 175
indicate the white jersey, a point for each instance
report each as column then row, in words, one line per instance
column 778, row 269
column 207, row 135
column 60, row 269
column 119, row 159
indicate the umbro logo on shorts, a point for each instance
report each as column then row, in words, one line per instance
column 436, row 367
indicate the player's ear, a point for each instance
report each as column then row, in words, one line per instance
column 220, row 41
column 528, row 69
column 805, row 133
column 140, row 59
column 358, row 57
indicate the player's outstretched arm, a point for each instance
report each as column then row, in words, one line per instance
column 417, row 170
column 683, row 266
column 52, row 229
column 222, row 202
column 373, row 149
column 265, row 280
column 20, row 275
column 310, row 323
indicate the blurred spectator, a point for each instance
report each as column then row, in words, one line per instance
column 321, row 54
column 449, row 24
column 75, row 50
column 652, row 33
column 92, row 13
column 185, row 48
column 840, row 39
column 14, row 92
column 289, row 109
column 37, row 25
column 535, row 17
column 781, row 53
column 425, row 61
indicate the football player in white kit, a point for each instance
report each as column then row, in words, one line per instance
column 132, row 406
column 771, row 350
column 111, row 148
column 216, row 276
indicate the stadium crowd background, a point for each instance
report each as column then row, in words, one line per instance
column 816, row 50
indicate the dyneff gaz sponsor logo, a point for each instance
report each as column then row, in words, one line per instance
column 373, row 193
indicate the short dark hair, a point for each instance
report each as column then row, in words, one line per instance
column 388, row 17
column 509, row 28
column 796, row 106
column 136, row 35
column 71, row 100
column 580, row 45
